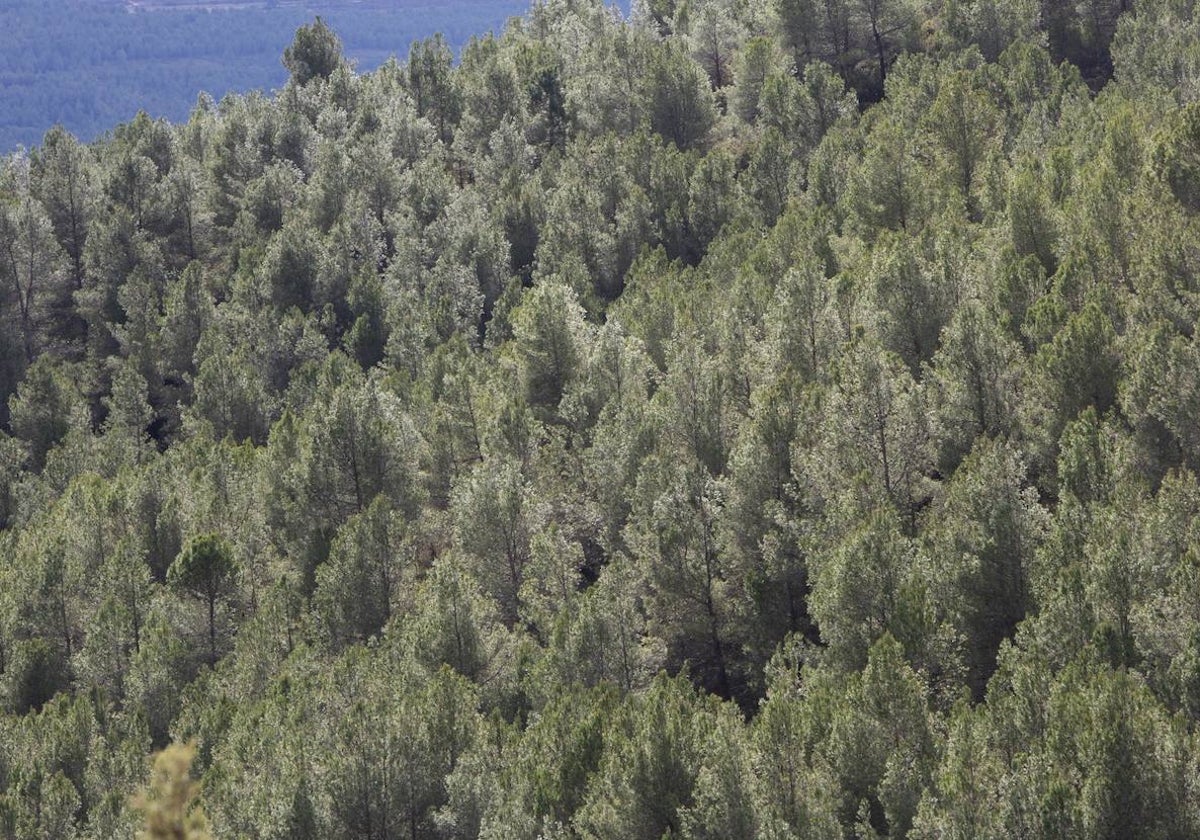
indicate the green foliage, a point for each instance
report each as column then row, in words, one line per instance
column 620, row 432
column 314, row 54
column 650, row 766
column 678, row 103
column 364, row 574
column 203, row 570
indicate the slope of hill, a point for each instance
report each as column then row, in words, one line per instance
column 719, row 424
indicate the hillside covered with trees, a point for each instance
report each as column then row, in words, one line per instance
column 749, row 420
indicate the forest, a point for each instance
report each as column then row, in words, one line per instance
column 743, row 420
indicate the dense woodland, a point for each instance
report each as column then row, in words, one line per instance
column 746, row 421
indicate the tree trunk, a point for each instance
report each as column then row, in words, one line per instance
column 212, row 629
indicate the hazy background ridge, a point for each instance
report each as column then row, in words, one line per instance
column 92, row 64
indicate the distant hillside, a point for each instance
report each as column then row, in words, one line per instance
column 325, row 6
column 104, row 60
